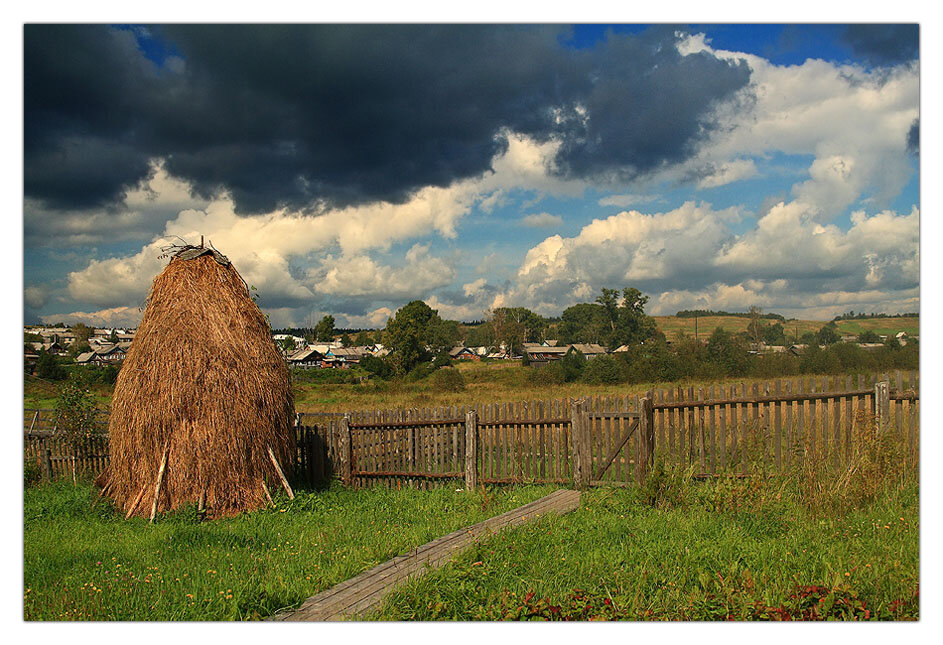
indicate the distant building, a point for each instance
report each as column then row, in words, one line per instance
column 463, row 354
column 541, row 355
column 590, row 350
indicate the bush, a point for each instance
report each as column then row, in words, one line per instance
column 377, row 367
column 602, row 370
column 76, row 415
column 448, row 379
column 31, row 473
column 48, row 367
column 549, row 374
column 328, row 376
column 420, row 372
column 573, row 364
column 441, row 359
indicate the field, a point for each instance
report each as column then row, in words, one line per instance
column 231, row 569
column 677, row 550
column 617, row 558
column 672, row 326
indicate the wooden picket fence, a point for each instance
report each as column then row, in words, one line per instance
column 592, row 441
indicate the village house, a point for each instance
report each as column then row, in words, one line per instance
column 104, row 356
column 463, row 354
column 305, row 358
column 590, row 350
column 541, row 355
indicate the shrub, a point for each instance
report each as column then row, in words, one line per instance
column 448, row 379
column 549, row 374
column 442, row 359
column 573, row 364
column 602, row 370
column 31, row 473
column 328, row 376
column 48, row 367
column 420, row 372
column 377, row 367
column 76, row 415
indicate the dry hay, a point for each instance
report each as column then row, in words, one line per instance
column 204, row 379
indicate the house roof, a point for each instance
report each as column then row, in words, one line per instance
column 589, row 348
column 303, row 354
column 84, row 357
column 455, row 351
column 540, row 349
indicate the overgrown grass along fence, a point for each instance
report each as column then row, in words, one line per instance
column 599, row 440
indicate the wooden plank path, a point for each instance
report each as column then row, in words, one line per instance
column 365, row 591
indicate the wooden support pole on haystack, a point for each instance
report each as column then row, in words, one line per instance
column 268, row 495
column 136, row 501
column 281, row 475
column 160, row 479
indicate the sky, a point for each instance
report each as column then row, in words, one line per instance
column 351, row 169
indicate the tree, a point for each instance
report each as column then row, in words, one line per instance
column 584, row 323
column 868, row 336
column 755, row 327
column 408, row 332
column 774, row 334
column 363, row 339
column 113, row 337
column 610, row 302
column 632, row 325
column 727, row 351
column 48, row 367
column 345, row 340
column 828, row 334
column 324, row 330
column 514, row 326
column 287, row 345
column 441, row 335
column 82, row 332
column 573, row 364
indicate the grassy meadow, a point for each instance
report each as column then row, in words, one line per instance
column 709, row 555
column 241, row 568
column 673, row 327
column 840, row 547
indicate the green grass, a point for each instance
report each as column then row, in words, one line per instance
column 703, row 558
column 85, row 563
column 673, row 327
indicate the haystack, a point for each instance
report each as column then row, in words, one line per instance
column 202, row 410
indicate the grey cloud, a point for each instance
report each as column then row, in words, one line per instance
column 309, row 115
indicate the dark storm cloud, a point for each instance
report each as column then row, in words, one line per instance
column 301, row 115
column 883, row 44
column 913, row 137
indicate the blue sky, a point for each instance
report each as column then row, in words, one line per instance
column 711, row 166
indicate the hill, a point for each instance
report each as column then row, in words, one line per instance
column 672, row 326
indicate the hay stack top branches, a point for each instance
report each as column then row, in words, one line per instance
column 202, row 410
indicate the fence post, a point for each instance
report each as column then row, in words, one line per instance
column 47, row 465
column 582, row 445
column 882, row 403
column 471, row 451
column 345, row 450
column 646, row 426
